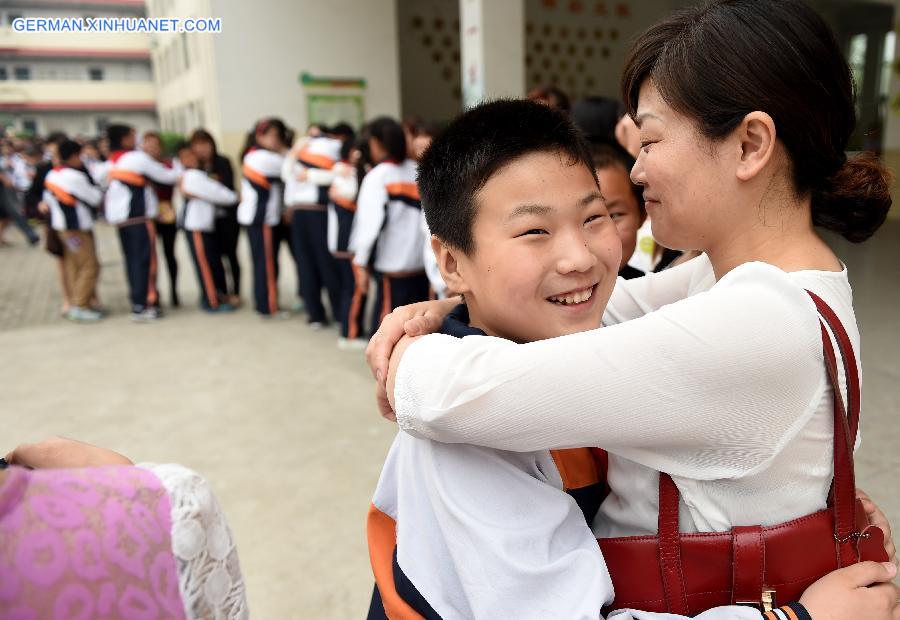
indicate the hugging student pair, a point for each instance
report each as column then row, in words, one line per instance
column 522, row 231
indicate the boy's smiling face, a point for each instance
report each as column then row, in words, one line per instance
column 546, row 251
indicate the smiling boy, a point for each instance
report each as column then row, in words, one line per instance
column 521, row 230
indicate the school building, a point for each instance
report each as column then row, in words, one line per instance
column 76, row 83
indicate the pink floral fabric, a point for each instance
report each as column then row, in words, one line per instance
column 86, row 544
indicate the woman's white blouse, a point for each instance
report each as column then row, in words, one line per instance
column 720, row 384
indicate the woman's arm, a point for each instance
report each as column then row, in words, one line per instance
column 632, row 299
column 709, row 387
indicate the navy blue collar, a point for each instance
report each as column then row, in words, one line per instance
column 457, row 323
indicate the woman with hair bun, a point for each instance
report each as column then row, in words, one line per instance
column 715, row 373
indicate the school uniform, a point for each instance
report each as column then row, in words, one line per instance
column 308, row 201
column 433, row 497
column 260, row 212
column 73, row 200
column 341, row 210
column 131, row 206
column 198, row 219
column 389, row 214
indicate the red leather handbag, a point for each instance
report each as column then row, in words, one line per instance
column 753, row 565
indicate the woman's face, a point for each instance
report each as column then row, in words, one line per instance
column 202, row 149
column 689, row 188
column 269, row 139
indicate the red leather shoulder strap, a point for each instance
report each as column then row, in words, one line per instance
column 670, row 547
column 848, row 357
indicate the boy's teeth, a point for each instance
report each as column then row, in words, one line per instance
column 574, row 298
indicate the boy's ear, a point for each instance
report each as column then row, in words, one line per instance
column 449, row 266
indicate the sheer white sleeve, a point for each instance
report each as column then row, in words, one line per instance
column 209, row 573
column 710, row 387
column 635, row 298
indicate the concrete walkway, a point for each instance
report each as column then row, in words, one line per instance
column 281, row 422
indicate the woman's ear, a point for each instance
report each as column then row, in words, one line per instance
column 757, row 139
column 448, row 260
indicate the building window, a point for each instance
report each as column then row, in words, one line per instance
column 22, row 73
column 102, row 124
column 3, row 74
column 30, row 125
column 95, row 73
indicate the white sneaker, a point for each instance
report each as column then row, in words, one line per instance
column 357, row 344
column 83, row 315
column 316, row 326
column 145, row 316
column 352, row 344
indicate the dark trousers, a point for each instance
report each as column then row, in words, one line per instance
column 228, row 232
column 353, row 301
column 208, row 262
column 315, row 264
column 9, row 207
column 395, row 292
column 167, row 234
column 139, row 249
column 264, row 245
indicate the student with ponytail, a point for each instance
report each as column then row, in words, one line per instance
column 261, row 207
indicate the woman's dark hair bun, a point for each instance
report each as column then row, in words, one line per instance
column 854, row 201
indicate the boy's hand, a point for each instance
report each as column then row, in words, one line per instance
column 58, row 453
column 863, row 590
column 876, row 517
column 413, row 320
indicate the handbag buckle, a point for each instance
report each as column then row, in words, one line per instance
column 765, row 603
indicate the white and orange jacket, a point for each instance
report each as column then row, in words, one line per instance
column 261, row 188
column 317, row 156
column 72, row 199
column 389, row 212
column 201, row 195
column 130, row 197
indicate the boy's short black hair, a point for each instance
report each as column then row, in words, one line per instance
column 116, row 134
column 612, row 155
column 475, row 146
column 67, row 148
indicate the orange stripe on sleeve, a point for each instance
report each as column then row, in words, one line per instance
column 576, row 466
column 345, row 203
column 381, row 532
column 61, row 195
column 314, row 159
column 126, row 176
column 255, row 177
column 409, row 190
column 789, row 613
